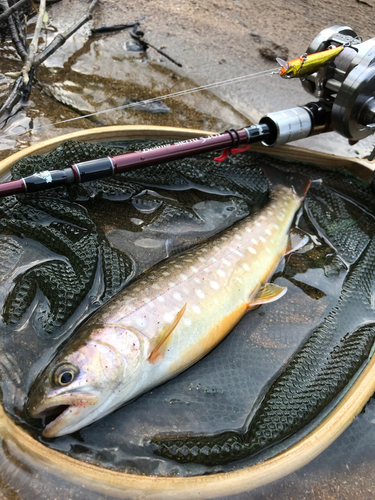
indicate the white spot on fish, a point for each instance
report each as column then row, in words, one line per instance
column 262, row 217
column 201, row 259
column 171, row 284
column 276, row 226
column 177, row 296
column 252, row 250
column 248, row 229
column 238, row 237
column 246, row 267
column 141, row 322
column 200, row 293
column 215, row 285
column 267, row 231
column 161, row 299
column 281, row 217
column 168, row 317
column 196, row 309
column 217, row 249
column 262, row 238
column 194, row 269
column 166, row 273
column 221, row 273
column 257, row 223
column 226, row 262
column 183, row 276
column 187, row 321
column 253, row 240
column 155, row 286
column 237, row 252
column 268, row 250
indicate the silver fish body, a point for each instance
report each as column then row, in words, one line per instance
column 169, row 318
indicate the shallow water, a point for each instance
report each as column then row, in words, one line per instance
column 149, row 217
column 96, row 73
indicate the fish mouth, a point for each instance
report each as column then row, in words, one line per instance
column 68, row 416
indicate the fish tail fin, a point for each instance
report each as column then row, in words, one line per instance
column 298, row 182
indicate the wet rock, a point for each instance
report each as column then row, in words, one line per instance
column 150, row 107
column 271, row 50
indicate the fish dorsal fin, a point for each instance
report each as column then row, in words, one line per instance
column 299, row 183
column 283, row 64
column 268, row 292
column 298, row 239
column 159, row 346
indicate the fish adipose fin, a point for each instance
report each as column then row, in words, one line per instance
column 159, row 347
column 268, row 292
column 298, row 182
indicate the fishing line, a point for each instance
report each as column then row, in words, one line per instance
column 153, row 99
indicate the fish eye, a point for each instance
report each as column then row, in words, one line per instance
column 65, row 374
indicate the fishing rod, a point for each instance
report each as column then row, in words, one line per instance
column 231, row 142
column 337, row 68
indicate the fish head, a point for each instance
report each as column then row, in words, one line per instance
column 81, row 384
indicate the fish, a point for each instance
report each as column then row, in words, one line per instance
column 170, row 317
column 308, row 63
column 321, row 368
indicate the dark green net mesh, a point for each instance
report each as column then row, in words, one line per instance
column 231, row 405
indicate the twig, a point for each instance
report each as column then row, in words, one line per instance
column 21, row 30
column 13, row 32
column 145, row 45
column 116, row 27
column 61, row 38
column 12, row 9
column 365, row 3
column 33, row 47
column 14, row 97
column 19, row 85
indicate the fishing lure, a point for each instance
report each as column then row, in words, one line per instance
column 308, row 63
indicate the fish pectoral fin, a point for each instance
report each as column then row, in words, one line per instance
column 268, row 292
column 159, row 346
column 297, row 239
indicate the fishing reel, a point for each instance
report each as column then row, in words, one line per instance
column 345, row 89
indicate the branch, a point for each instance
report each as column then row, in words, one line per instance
column 33, row 47
column 19, row 85
column 61, row 38
column 14, row 97
column 13, row 32
column 12, row 9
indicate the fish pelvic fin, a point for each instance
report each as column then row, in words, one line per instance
column 297, row 240
column 159, row 346
column 268, row 292
column 298, row 182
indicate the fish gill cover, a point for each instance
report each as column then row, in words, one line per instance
column 64, row 255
